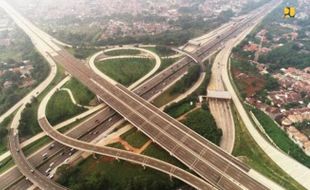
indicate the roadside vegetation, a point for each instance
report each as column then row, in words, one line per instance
column 161, row 51
column 179, row 87
column 123, row 52
column 179, row 108
column 108, row 173
column 12, row 57
column 126, row 71
column 6, row 164
column 166, row 63
column 202, row 122
column 280, row 138
column 82, row 52
column 29, row 125
column 248, row 151
column 187, row 81
column 31, row 148
column 4, row 132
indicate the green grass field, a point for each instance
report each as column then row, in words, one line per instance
column 107, row 173
column 61, row 108
column 248, row 151
column 135, row 138
column 122, row 52
column 280, row 138
column 180, row 109
column 126, row 71
column 81, row 93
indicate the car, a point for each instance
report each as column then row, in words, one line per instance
column 17, row 150
column 27, row 178
column 52, row 146
column 45, row 155
column 62, row 153
column 52, row 164
column 51, row 176
column 72, row 149
column 48, row 170
column 110, row 119
column 31, row 170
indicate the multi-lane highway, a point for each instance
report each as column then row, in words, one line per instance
column 161, row 128
column 200, row 155
column 152, row 87
column 220, row 108
column 26, row 168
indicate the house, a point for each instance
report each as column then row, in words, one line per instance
column 291, row 131
column 7, row 84
column 306, row 147
column 300, row 139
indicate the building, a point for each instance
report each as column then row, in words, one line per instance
column 306, row 147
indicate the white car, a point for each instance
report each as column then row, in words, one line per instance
column 51, row 176
column 52, row 164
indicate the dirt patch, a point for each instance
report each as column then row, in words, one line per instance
column 106, row 159
column 250, row 84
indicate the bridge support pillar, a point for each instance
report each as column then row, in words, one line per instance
column 99, row 99
column 94, row 156
column 143, row 166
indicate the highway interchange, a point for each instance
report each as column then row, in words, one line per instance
column 213, row 164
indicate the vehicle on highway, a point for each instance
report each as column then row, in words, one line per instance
column 48, row 171
column 52, row 146
column 51, row 176
column 52, row 164
column 45, row 156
